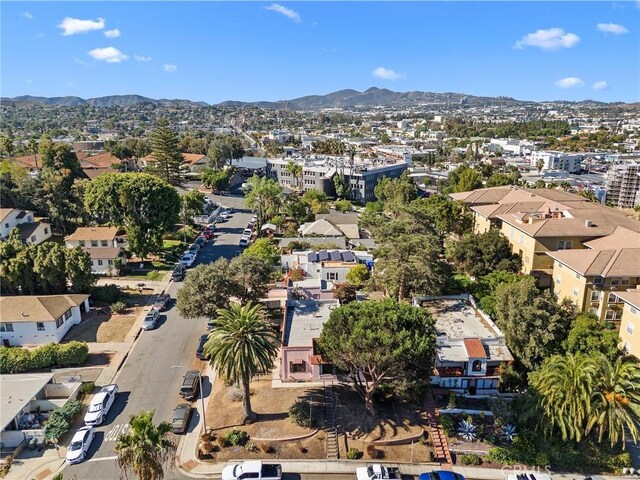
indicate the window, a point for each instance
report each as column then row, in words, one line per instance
column 595, row 296
column 104, row 243
column 81, row 242
column 612, row 298
column 634, row 310
column 6, row 225
column 565, row 244
column 476, row 366
column 558, row 279
column 94, row 243
column 593, row 311
column 332, row 276
column 578, row 276
column 40, row 326
column 630, row 328
column 521, row 238
column 615, row 281
column 575, row 291
column 46, row 230
column 611, row 315
column 597, row 280
column 297, row 367
column 100, row 262
column 33, row 238
column 110, row 262
column 6, row 327
column 624, row 281
column 559, row 265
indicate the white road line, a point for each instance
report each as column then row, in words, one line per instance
column 102, row 458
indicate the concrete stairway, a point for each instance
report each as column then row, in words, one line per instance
column 333, row 451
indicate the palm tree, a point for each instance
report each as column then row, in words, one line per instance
column 295, row 169
column 562, row 390
column 146, row 449
column 242, row 346
column 264, row 198
column 616, row 401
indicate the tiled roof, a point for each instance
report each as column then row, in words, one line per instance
column 93, row 233
column 624, row 262
column 632, row 297
column 474, row 348
column 32, row 308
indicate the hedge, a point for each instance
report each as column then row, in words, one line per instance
column 19, row 360
column 59, row 420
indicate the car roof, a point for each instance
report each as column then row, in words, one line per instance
column 183, row 407
column 98, row 398
column 445, row 475
column 80, row 434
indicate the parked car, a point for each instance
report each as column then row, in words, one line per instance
column 447, row 475
column 225, row 215
column 244, row 241
column 162, row 302
column 247, row 232
column 377, row 471
column 80, row 444
column 194, row 248
column 188, row 259
column 200, row 240
column 100, row 405
column 200, row 351
column 252, row 469
column 178, row 273
column 181, row 417
column 208, row 234
column 151, row 320
column 190, row 385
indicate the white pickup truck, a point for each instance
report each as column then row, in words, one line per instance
column 377, row 472
column 252, row 469
column 100, row 405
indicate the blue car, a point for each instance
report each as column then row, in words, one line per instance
column 440, row 475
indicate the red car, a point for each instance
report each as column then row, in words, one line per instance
column 208, row 234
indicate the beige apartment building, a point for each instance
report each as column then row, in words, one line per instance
column 630, row 326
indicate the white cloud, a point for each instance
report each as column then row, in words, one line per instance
column 26, row 15
column 385, row 73
column 601, row 85
column 569, row 82
column 169, row 68
column 142, row 58
column 612, row 28
column 550, row 39
column 71, row 26
column 108, row 55
column 295, row 16
column 115, row 33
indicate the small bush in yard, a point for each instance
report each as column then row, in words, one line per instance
column 19, row 360
column 470, row 459
column 118, row 308
column 237, row 437
column 110, row 293
column 300, row 413
column 87, row 387
column 354, row 454
column 59, row 420
column 235, row 394
column 250, row 447
column 266, row 448
column 223, row 442
column 374, row 453
column 447, row 425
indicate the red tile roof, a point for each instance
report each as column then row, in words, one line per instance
column 474, row 348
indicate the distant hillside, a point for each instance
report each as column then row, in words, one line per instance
column 108, row 101
column 373, row 97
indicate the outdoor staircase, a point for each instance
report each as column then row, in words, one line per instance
column 333, row 452
column 436, row 432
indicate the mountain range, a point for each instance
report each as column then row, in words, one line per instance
column 342, row 98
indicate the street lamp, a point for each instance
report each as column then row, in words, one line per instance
column 204, row 417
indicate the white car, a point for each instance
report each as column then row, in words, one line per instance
column 225, row 215
column 80, row 444
column 188, row 259
column 247, row 232
column 101, row 404
column 244, row 241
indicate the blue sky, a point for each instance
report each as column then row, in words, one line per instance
column 216, row 51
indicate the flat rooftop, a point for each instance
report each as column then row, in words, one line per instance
column 456, row 318
column 305, row 319
column 16, row 391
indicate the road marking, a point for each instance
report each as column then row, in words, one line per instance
column 100, row 459
column 120, row 429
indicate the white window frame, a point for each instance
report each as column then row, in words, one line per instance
column 613, row 298
column 598, row 293
column 629, row 328
column 40, row 326
column 576, row 290
column 6, row 327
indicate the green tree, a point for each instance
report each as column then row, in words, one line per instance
column 192, row 205
column 144, row 205
column 49, row 264
column 146, row 449
column 484, row 288
column 539, row 165
column 317, row 201
column 218, row 180
column 499, row 179
column 166, row 159
column 443, row 215
column 7, row 145
column 479, row 255
column 264, row 198
column 223, row 149
column 395, row 193
column 295, row 170
column 358, row 275
column 589, row 336
column 463, row 179
column 242, row 346
column 17, row 274
column 294, row 208
column 60, row 157
column 378, row 342
column 78, row 270
column 264, row 249
column 343, row 206
column 534, row 324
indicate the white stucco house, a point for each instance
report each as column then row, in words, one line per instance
column 328, row 265
column 39, row 319
column 31, row 231
column 105, row 246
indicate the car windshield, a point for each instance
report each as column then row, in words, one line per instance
column 75, row 445
column 94, row 408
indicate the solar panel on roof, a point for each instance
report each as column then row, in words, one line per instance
column 323, row 255
column 335, row 255
column 348, row 256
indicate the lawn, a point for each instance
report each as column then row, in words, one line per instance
column 103, row 327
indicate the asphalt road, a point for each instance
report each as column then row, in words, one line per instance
column 152, row 374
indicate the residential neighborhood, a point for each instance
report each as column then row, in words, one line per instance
column 294, row 278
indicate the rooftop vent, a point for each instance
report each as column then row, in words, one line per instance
column 588, row 223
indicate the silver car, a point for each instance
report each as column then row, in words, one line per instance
column 151, row 320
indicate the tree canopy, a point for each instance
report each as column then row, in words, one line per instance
column 167, row 160
column 380, row 342
column 192, row 204
column 394, row 193
column 264, row 198
column 223, row 149
column 589, row 336
column 479, row 255
column 218, row 180
column 264, row 249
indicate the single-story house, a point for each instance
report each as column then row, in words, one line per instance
column 32, row 232
column 322, row 228
column 347, row 222
column 39, row 319
column 25, row 400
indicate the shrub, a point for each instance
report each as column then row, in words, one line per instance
column 223, row 442
column 250, row 447
column 87, row 388
column 237, row 437
column 235, row 394
column 118, row 307
column 110, row 293
column 470, row 459
column 59, row 420
column 424, row 439
column 19, row 360
column 447, row 425
column 354, row 454
column 266, row 448
column 58, row 476
column 300, row 413
column 374, row 453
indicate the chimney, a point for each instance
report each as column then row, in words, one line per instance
column 588, row 223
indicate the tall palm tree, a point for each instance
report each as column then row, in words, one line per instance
column 295, row 169
column 264, row 198
column 242, row 346
column 563, row 388
column 616, row 401
column 146, row 449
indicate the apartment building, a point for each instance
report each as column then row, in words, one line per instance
column 593, row 278
column 630, row 326
column 32, row 232
column 622, row 184
column 539, row 221
column 105, row 246
column 568, row 162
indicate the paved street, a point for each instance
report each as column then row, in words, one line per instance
column 152, row 374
